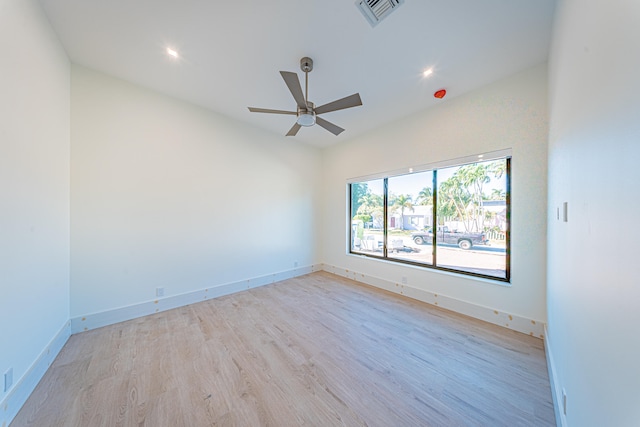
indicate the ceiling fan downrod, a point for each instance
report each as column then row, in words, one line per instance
column 306, row 65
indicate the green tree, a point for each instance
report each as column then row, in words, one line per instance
column 498, row 194
column 425, row 197
column 462, row 195
column 371, row 205
column 497, row 168
column 358, row 190
column 453, row 199
column 364, row 218
column 474, row 177
column 402, row 202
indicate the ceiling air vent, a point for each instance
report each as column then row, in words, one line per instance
column 376, row 10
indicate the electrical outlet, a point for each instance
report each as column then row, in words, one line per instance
column 159, row 292
column 8, row 379
column 295, row 263
column 404, row 280
column 564, row 401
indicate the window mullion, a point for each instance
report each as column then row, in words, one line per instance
column 434, row 221
column 385, row 217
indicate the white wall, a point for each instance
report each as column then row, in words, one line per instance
column 34, row 189
column 594, row 153
column 511, row 113
column 166, row 194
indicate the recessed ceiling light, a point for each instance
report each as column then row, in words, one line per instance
column 172, row 52
column 427, row 72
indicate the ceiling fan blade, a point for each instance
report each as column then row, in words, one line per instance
column 294, row 130
column 265, row 110
column 346, row 102
column 291, row 79
column 336, row 130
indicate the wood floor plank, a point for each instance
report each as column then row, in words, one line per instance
column 317, row 350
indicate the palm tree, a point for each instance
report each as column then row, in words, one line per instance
column 402, row 202
column 498, row 194
column 453, row 200
column 497, row 168
column 425, row 197
column 474, row 177
column 371, row 205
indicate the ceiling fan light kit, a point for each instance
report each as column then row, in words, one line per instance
column 306, row 119
column 306, row 112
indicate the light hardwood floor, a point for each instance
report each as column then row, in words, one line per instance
column 317, row 350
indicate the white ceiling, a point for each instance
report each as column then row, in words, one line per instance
column 231, row 52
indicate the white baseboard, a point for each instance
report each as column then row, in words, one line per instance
column 23, row 388
column 531, row 327
column 109, row 317
column 97, row 320
column 556, row 390
column 12, row 403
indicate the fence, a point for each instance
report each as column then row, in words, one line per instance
column 496, row 235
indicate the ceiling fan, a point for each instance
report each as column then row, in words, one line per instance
column 307, row 113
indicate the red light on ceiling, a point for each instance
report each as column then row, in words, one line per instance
column 440, row 94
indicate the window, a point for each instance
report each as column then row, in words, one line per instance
column 453, row 218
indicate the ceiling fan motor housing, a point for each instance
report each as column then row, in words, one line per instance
column 309, row 109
